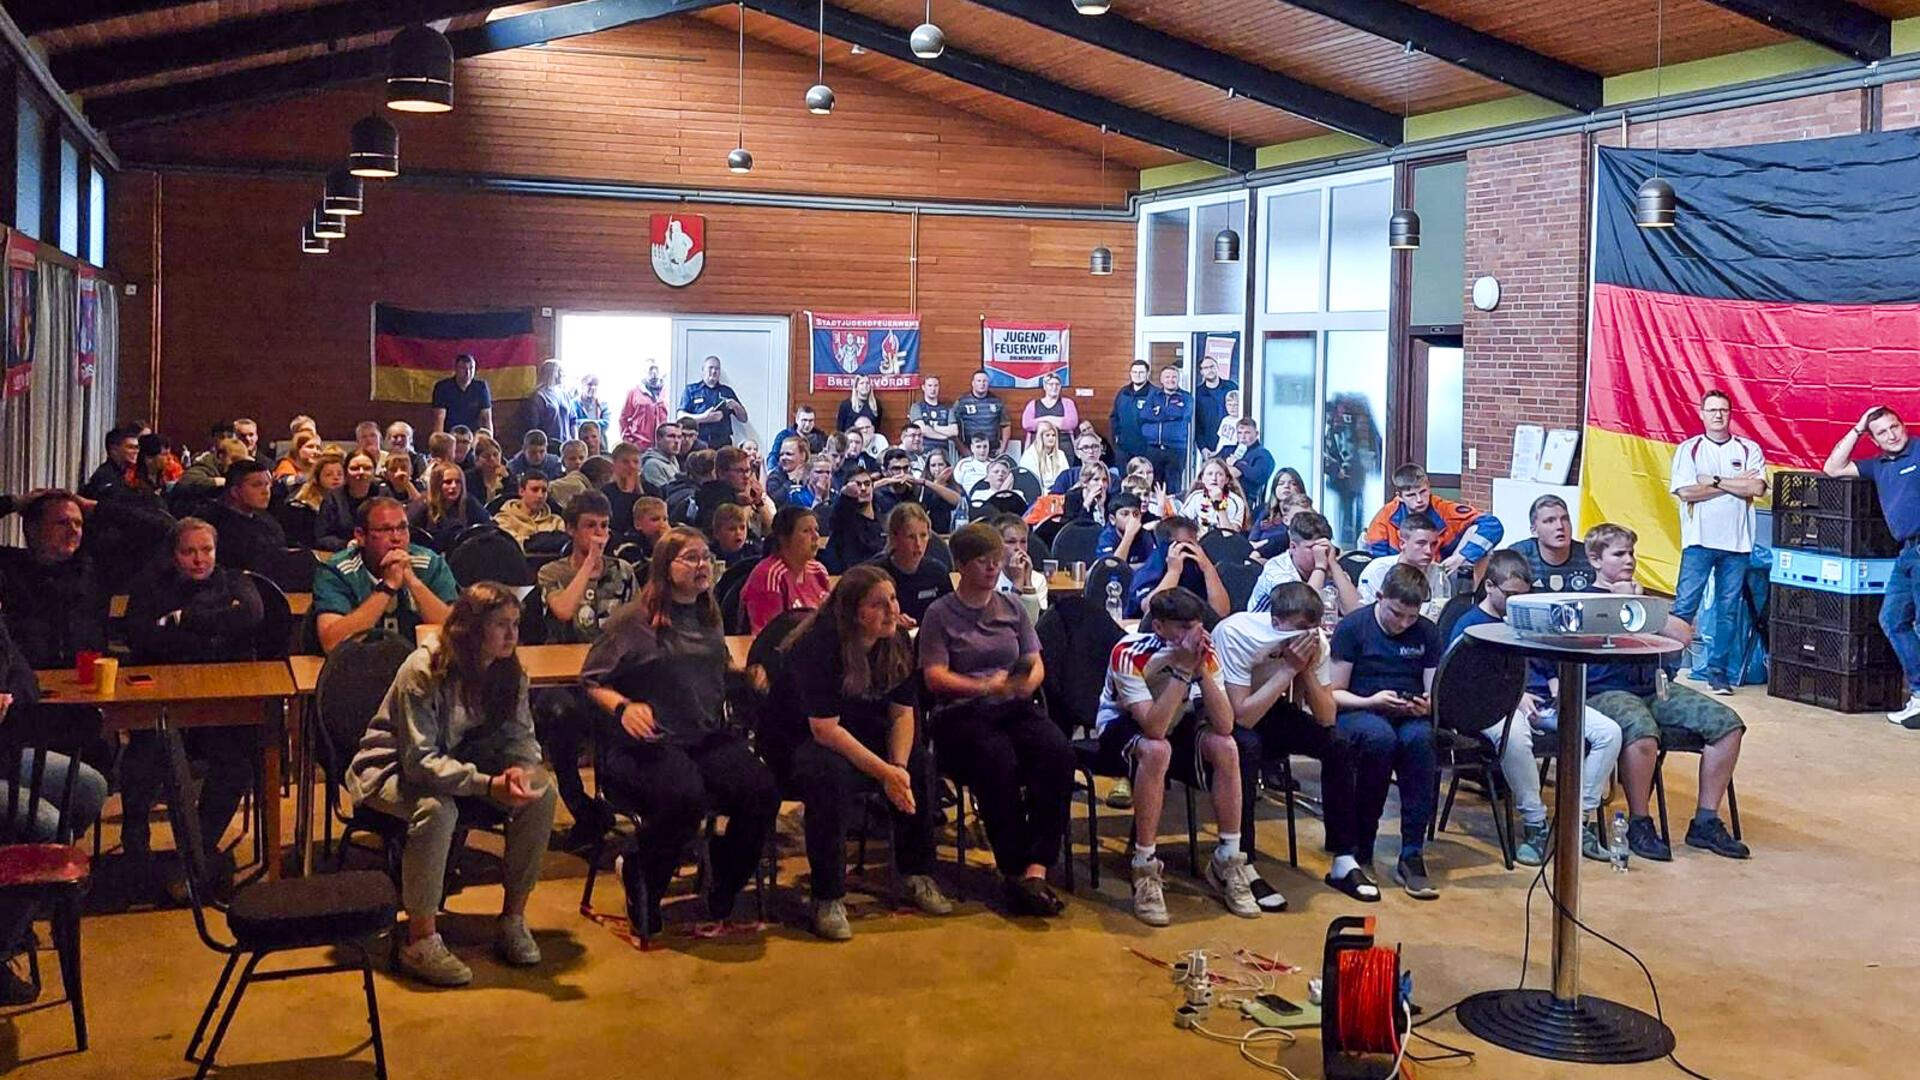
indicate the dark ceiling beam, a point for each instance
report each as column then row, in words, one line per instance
column 334, row 69
column 1846, row 28
column 1022, row 86
column 41, row 16
column 1463, row 46
column 1181, row 57
column 82, row 69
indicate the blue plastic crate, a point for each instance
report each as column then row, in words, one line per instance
column 1830, row 573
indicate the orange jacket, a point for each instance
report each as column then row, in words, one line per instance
column 1454, row 519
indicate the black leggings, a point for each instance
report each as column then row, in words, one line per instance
column 1288, row 729
column 827, row 783
column 562, row 723
column 1020, row 768
column 673, row 788
column 227, row 755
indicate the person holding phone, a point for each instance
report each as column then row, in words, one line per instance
column 1383, row 659
column 981, row 661
column 1164, row 712
column 841, row 720
column 456, row 724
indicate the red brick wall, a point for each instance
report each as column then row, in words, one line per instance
column 1899, row 106
column 1527, row 225
column 1526, row 359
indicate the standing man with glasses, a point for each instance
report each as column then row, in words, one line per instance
column 1716, row 477
column 1895, row 473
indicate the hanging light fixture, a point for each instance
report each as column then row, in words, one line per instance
column 345, row 193
column 1226, row 242
column 1654, row 204
column 739, row 160
column 328, row 226
column 820, row 95
column 928, row 41
column 1403, row 228
column 420, row 71
column 311, row 244
column 1092, row 7
column 374, row 149
column 1100, row 263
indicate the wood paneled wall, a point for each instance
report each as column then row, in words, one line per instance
column 250, row 326
column 654, row 103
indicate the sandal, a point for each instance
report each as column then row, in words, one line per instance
column 1358, row 885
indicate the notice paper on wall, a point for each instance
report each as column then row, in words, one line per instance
column 1527, row 441
column 1556, row 458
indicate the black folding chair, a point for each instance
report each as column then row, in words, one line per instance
column 1353, row 562
column 938, row 551
column 1226, row 547
column 1475, row 688
column 1680, row 741
column 489, row 556
column 274, row 639
column 49, row 873
column 344, row 910
column 1103, row 571
column 1239, row 578
column 1076, row 543
column 291, row 569
column 727, row 591
column 352, row 684
column 1038, row 550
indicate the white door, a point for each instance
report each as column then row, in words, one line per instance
column 753, row 360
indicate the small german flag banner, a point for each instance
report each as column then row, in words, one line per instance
column 412, row 350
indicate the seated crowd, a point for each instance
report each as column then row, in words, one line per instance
column 896, row 601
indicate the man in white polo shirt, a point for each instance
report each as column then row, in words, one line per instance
column 1715, row 478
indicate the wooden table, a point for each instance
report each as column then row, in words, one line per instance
column 195, row 695
column 297, row 602
column 553, row 665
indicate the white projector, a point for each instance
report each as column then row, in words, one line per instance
column 1584, row 614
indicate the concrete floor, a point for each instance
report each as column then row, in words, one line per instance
column 1795, row 964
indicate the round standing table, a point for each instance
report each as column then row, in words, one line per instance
column 1562, row 1024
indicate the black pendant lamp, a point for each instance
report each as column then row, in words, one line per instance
column 374, row 149
column 420, row 71
column 311, row 244
column 1226, row 242
column 740, row 159
column 820, row 95
column 328, row 226
column 1403, row 228
column 345, row 195
column 1654, row 203
column 1100, row 262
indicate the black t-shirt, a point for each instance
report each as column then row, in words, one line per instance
column 621, row 504
column 246, row 541
column 1383, row 662
column 53, row 610
column 463, row 406
column 917, row 591
column 810, row 685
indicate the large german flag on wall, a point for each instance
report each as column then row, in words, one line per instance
column 412, row 350
column 1792, row 282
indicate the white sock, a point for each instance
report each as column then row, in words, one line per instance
column 1344, row 865
column 1228, row 847
column 1143, row 855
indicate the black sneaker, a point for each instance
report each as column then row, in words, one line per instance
column 1411, row 873
column 1032, row 896
column 1643, row 839
column 1713, row 836
column 15, row 990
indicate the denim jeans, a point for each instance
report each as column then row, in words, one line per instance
column 1728, row 569
column 1897, row 614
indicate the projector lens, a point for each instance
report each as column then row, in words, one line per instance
column 1633, row 616
column 1566, row 618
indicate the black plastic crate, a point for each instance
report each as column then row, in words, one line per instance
column 1808, row 530
column 1843, row 496
column 1861, row 691
column 1848, row 613
column 1834, row 650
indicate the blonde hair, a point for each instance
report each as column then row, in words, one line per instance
column 311, row 493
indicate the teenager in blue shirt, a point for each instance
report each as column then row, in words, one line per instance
column 1166, row 426
column 1384, row 656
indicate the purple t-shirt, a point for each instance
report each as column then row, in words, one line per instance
column 976, row 641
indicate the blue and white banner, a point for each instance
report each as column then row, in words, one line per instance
column 885, row 348
column 1017, row 355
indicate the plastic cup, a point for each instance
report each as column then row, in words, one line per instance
column 106, row 672
column 83, row 666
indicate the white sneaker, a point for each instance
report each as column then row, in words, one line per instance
column 514, row 943
column 1229, row 877
column 430, row 961
column 1150, row 894
column 1908, row 712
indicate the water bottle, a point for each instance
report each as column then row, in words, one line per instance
column 1329, row 604
column 1116, row 607
column 1617, row 841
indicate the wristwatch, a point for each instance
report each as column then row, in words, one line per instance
column 383, row 587
column 1716, row 481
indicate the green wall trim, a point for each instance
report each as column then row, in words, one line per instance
column 1768, row 62
column 1519, row 109
column 1185, row 172
column 1332, row 144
